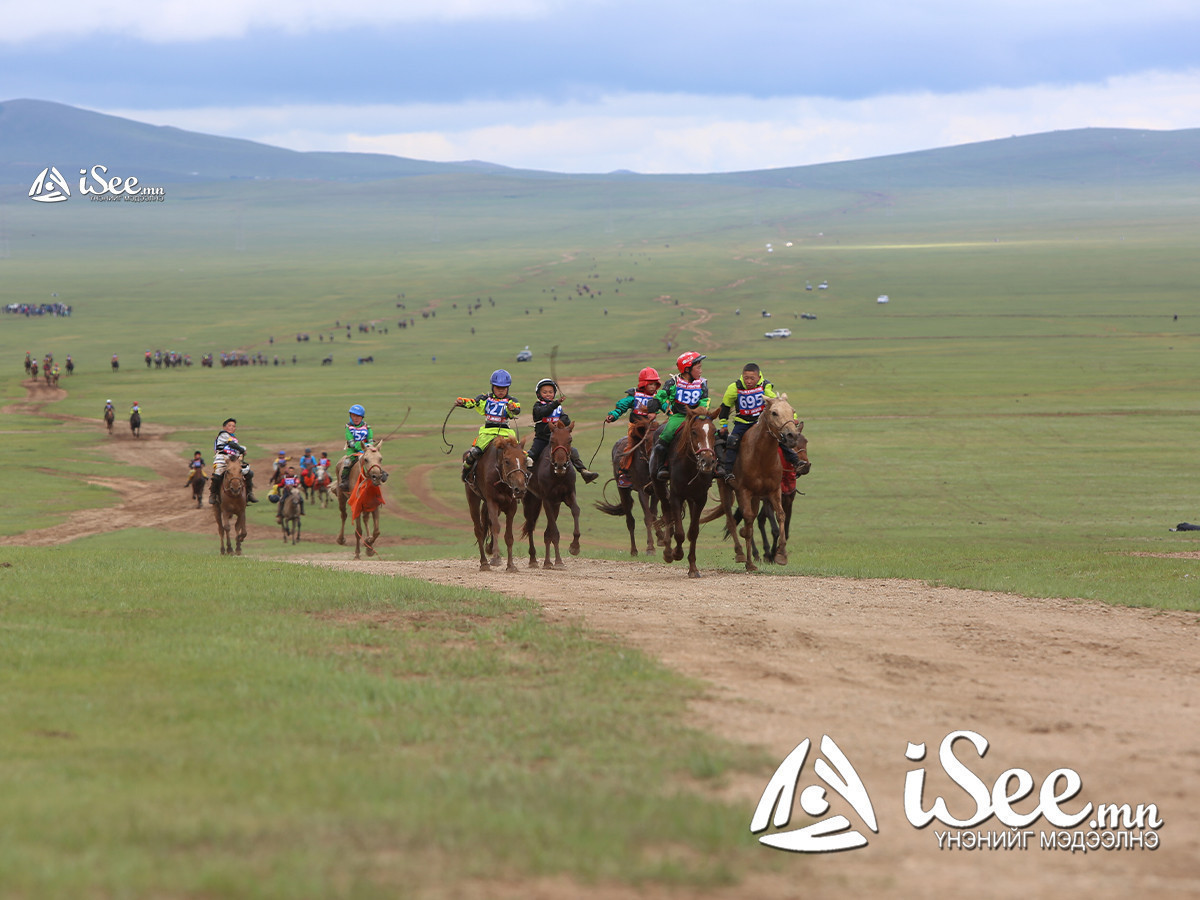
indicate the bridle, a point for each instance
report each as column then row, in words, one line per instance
column 706, row 457
column 509, row 470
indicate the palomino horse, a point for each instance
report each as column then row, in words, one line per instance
column 230, row 509
column 631, row 471
column 691, row 464
column 288, row 516
column 758, row 475
column 499, row 484
column 321, row 485
column 196, row 481
column 364, row 498
column 551, row 484
column 135, row 423
column 109, row 418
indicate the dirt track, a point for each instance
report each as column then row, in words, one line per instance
column 1112, row 693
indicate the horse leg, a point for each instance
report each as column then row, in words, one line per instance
column 781, row 541
column 373, row 517
column 696, row 508
column 474, row 504
column 728, row 498
column 552, row 535
column 341, row 538
column 532, row 506
column 574, row 506
column 241, row 531
column 749, row 505
column 493, row 511
column 509, row 514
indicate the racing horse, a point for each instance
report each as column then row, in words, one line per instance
column 691, row 464
column 631, row 471
column 196, row 481
column 109, row 417
column 758, row 476
column 321, row 485
column 364, row 498
column 230, row 508
column 288, row 516
column 135, row 423
column 498, row 485
column 551, row 484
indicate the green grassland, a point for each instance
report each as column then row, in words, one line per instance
column 1020, row 417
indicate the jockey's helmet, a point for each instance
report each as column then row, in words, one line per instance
column 357, row 410
column 648, row 375
column 545, row 381
column 501, row 378
column 687, row 360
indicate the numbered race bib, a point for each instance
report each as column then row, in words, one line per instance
column 641, row 402
column 359, row 433
column 495, row 411
column 688, row 392
column 750, row 401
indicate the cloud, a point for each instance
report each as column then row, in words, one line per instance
column 679, row 133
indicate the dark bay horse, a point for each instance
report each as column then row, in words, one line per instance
column 692, row 462
column 551, row 484
column 135, row 423
column 231, row 508
column 109, row 418
column 196, row 481
column 758, row 475
column 631, row 471
column 498, row 486
column 367, row 476
column 288, row 516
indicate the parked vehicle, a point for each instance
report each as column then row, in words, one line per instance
column 778, row 333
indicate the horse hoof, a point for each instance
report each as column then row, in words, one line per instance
column 573, row 549
column 560, row 565
column 547, row 565
column 694, row 573
column 678, row 553
column 751, row 567
column 494, row 561
column 633, row 551
column 739, row 557
column 533, row 563
column 511, row 568
column 484, row 567
column 668, row 556
column 780, row 559
column 341, row 541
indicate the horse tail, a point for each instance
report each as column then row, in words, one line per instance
column 712, row 516
column 609, row 509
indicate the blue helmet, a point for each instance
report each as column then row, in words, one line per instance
column 357, row 410
column 501, row 378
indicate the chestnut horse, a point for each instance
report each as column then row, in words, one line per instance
column 231, row 508
column 691, row 463
column 364, row 497
column 551, row 484
column 758, row 475
column 498, row 486
column 631, row 471
column 109, row 418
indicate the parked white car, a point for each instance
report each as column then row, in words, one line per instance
column 778, row 333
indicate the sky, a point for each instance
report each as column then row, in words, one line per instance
column 651, row 86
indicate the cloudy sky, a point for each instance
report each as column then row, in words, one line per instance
column 599, row 85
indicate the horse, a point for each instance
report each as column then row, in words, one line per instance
column 231, row 508
column 498, row 486
column 364, row 497
column 691, row 463
column 631, row 471
column 135, row 423
column 196, row 481
column 321, row 485
column 758, row 475
column 551, row 483
column 109, row 418
column 288, row 516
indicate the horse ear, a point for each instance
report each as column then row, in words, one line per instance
column 379, row 443
column 571, row 427
column 800, row 426
column 782, row 397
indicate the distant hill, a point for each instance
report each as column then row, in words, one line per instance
column 37, row 133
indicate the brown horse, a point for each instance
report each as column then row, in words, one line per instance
column 691, row 464
column 109, row 418
column 631, row 471
column 364, row 498
column 288, row 516
column 498, row 486
column 758, row 475
column 232, row 508
column 135, row 423
column 551, row 484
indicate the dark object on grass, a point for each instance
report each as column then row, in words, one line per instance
column 1186, row 526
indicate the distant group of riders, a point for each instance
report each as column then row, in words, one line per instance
column 49, row 369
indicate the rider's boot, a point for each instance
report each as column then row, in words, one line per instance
column 585, row 473
column 250, row 498
column 658, row 461
column 214, row 488
column 469, row 459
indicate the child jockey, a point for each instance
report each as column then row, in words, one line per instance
column 108, row 407
column 358, row 435
column 642, row 404
column 289, row 482
column 308, row 462
column 496, row 407
column 688, row 390
column 135, row 409
column 546, row 409
column 226, row 449
column 195, row 467
column 745, row 398
column 277, row 467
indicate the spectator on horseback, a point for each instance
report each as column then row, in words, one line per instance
column 745, row 399
column 288, row 482
column 358, row 435
column 546, row 410
column 496, row 407
column 226, row 449
column 686, row 391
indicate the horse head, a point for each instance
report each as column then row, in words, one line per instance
column 560, row 447
column 699, row 436
column 779, row 419
column 510, row 461
column 371, row 464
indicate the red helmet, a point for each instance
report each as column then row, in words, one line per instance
column 648, row 375
column 687, row 360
